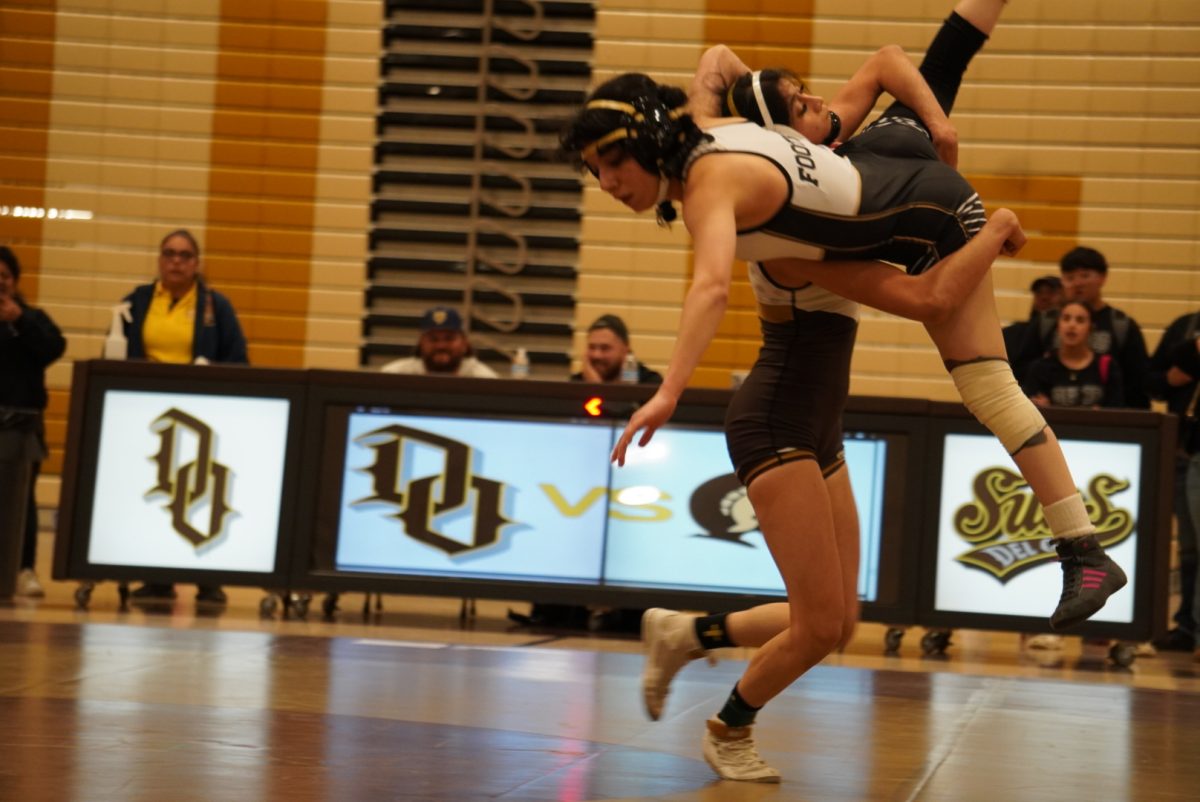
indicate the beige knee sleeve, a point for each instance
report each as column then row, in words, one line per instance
column 995, row 399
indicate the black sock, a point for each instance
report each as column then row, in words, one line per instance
column 710, row 629
column 736, row 712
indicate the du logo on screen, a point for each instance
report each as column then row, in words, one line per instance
column 188, row 480
column 478, row 497
column 198, row 484
column 420, row 500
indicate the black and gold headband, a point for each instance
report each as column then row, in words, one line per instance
column 624, row 132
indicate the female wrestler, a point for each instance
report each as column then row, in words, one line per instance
column 776, row 199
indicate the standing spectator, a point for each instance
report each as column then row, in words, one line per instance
column 443, row 349
column 607, row 349
column 1173, row 372
column 179, row 319
column 1084, row 272
column 1022, row 340
column 1074, row 375
column 29, row 343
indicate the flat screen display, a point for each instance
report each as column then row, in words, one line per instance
column 188, row 480
column 994, row 553
column 681, row 519
column 472, row 497
column 528, row 500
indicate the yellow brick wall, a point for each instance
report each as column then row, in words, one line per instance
column 250, row 124
column 1084, row 117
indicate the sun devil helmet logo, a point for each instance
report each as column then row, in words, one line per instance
column 722, row 508
column 422, row 500
column 1008, row 533
column 191, row 486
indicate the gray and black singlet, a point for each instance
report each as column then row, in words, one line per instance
column 882, row 195
column 858, row 203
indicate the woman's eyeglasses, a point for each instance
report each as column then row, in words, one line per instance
column 171, row 253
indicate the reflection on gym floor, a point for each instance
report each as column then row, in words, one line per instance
column 410, row 703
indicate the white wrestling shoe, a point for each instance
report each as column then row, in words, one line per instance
column 28, row 585
column 670, row 643
column 731, row 753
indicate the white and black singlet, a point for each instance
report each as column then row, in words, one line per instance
column 790, row 405
column 883, row 195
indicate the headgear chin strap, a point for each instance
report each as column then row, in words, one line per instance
column 756, row 83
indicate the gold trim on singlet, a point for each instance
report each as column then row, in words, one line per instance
column 834, row 467
column 791, row 456
column 774, row 461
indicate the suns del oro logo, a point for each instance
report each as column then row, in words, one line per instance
column 1008, row 533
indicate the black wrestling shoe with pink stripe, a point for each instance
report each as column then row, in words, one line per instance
column 1089, row 578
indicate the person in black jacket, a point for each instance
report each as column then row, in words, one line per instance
column 1186, row 360
column 29, row 342
column 1074, row 375
column 1174, row 368
column 1084, row 274
column 178, row 318
column 1024, row 337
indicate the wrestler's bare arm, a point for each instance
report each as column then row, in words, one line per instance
column 887, row 70
column 708, row 211
column 716, row 71
column 890, row 70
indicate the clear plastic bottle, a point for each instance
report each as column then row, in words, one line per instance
column 629, row 370
column 115, row 344
column 520, row 365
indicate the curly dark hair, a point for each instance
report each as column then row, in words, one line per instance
column 646, row 120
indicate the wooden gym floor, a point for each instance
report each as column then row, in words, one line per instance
column 182, row 704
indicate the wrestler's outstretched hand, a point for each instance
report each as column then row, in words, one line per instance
column 649, row 416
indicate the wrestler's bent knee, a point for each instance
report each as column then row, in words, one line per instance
column 993, row 396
